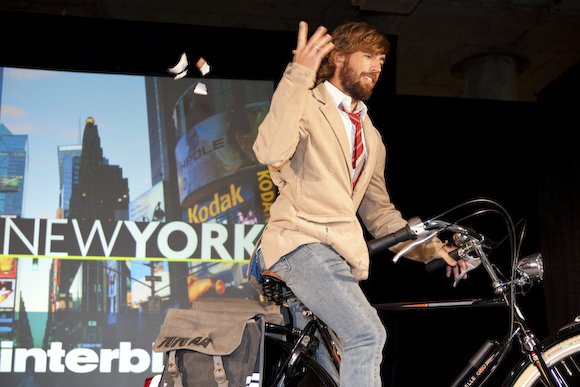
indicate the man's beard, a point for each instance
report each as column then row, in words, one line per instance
column 353, row 86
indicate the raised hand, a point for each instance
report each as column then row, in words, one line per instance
column 310, row 52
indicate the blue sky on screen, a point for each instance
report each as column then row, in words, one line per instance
column 51, row 108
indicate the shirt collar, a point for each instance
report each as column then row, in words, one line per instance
column 339, row 98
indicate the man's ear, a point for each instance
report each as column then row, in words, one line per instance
column 338, row 58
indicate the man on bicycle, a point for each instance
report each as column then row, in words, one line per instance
column 328, row 161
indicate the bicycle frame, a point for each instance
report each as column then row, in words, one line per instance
column 470, row 248
column 304, row 345
column 489, row 356
column 304, row 341
column 485, row 361
column 543, row 362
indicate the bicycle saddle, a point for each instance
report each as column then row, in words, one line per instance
column 274, row 287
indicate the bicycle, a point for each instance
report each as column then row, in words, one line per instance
column 554, row 361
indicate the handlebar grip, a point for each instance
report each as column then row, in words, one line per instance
column 384, row 242
column 438, row 264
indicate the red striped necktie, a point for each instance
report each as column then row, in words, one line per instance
column 358, row 156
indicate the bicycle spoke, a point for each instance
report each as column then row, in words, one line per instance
column 566, row 373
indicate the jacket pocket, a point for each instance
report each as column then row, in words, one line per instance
column 319, row 226
column 324, row 219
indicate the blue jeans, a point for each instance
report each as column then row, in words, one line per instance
column 322, row 281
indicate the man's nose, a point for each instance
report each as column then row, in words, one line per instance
column 376, row 66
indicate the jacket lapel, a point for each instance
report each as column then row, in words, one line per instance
column 331, row 114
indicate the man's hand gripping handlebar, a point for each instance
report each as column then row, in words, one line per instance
column 420, row 232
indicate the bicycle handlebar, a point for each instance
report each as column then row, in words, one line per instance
column 438, row 264
column 471, row 246
column 465, row 239
column 389, row 240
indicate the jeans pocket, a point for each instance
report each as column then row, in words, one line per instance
column 283, row 267
column 280, row 268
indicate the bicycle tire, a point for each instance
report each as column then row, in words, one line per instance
column 561, row 353
column 311, row 373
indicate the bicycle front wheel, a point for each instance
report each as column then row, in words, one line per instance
column 562, row 356
column 307, row 373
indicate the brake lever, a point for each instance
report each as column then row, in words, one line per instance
column 472, row 263
column 412, row 245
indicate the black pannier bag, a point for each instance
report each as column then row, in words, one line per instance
column 218, row 342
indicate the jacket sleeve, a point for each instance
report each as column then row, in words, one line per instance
column 381, row 217
column 377, row 212
column 279, row 133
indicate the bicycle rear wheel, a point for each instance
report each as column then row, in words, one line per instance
column 308, row 373
column 561, row 354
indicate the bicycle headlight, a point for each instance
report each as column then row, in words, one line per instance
column 531, row 267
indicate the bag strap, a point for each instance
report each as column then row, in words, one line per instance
column 173, row 370
column 219, row 372
column 218, row 365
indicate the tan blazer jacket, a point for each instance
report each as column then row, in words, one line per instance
column 303, row 142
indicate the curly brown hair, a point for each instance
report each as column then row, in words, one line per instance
column 351, row 37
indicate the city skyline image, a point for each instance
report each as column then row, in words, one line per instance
column 102, row 151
